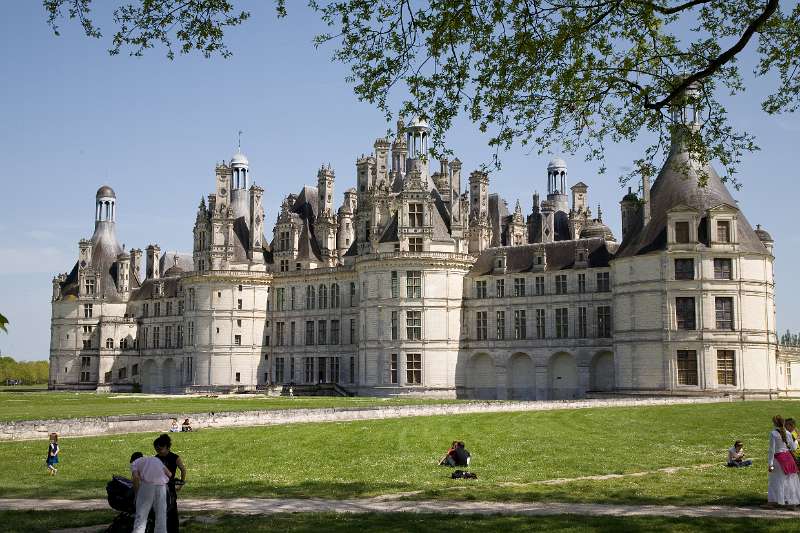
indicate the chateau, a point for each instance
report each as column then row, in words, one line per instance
column 415, row 286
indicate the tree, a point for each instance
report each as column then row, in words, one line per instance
column 555, row 74
column 3, row 323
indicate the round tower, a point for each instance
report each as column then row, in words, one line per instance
column 240, row 178
column 105, row 205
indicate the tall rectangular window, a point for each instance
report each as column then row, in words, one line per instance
column 687, row 367
column 180, row 336
column 237, row 340
column 561, row 284
column 562, row 323
column 88, row 310
column 541, row 329
column 415, row 215
column 352, row 294
column 603, row 282
column 481, row 325
column 169, row 308
column 280, row 333
column 684, row 268
column 279, row 370
column 311, row 297
column 239, row 304
column 395, row 284
column 168, row 336
column 500, row 288
column 308, row 369
column 480, row 289
column 189, row 369
column 604, row 321
column 414, row 325
column 539, row 284
column 335, row 335
column 191, row 333
column 292, row 331
column 682, row 232
column 726, row 367
column 352, row 369
column 501, row 325
column 414, row 284
column 323, row 296
column 519, row 286
column 353, row 338
column 279, row 298
column 89, row 286
column 156, row 337
column 414, row 368
column 685, row 313
column 723, row 231
column 724, row 312
column 415, row 244
column 520, row 327
column 309, row 332
column 292, row 299
column 723, row 268
column 582, row 333
column 322, row 333
column 336, row 300
column 180, row 307
column 393, row 368
column 157, row 309
column 394, row 325
column 581, row 283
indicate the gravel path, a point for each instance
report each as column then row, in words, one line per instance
column 393, row 505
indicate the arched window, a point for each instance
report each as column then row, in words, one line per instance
column 323, row 297
column 109, row 342
column 123, row 344
column 310, row 297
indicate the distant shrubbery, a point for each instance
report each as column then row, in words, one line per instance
column 23, row 372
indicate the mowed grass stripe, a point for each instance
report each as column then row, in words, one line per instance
column 369, row 458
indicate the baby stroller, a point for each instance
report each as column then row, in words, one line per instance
column 122, row 498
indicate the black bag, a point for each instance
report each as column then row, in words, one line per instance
column 120, row 494
column 460, row 474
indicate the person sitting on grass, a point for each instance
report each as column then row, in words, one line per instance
column 173, row 428
column 449, row 458
column 186, row 426
column 736, row 456
column 457, row 455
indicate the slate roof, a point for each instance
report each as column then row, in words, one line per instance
column 677, row 184
column 105, row 250
column 560, row 256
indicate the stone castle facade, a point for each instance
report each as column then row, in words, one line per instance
column 415, row 286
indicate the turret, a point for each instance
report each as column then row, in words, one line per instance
column 105, row 206
column 579, row 197
column 136, row 263
column 124, row 274
column 480, row 230
column 240, row 183
column 152, row 265
column 346, row 231
column 325, row 180
column 417, row 135
column 629, row 209
column 399, row 150
column 557, row 184
column 382, row 162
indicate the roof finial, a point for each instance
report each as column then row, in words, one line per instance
column 240, row 141
column 599, row 213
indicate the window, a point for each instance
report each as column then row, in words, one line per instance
column 239, row 303
column 284, row 265
column 581, row 283
column 335, row 298
column 238, row 377
column 107, row 377
column 284, row 241
column 86, row 362
column 123, row 344
column 582, row 322
column 191, row 299
column 85, row 376
column 726, row 367
column 279, row 298
column 87, row 310
column 500, row 288
column 393, row 368
column 682, row 232
column 394, row 325
column 279, row 333
column 169, row 308
column 520, row 328
column 480, row 289
column 88, row 285
column 279, row 368
column 292, row 298
column 180, row 307
column 684, row 313
column 323, row 297
column 415, row 244
column 291, row 369
column 722, row 269
column 353, row 338
column 145, row 310
column 180, row 335
column 352, row 369
column 335, row 337
column 395, row 284
column 87, row 344
column 292, row 331
column 352, row 294
column 308, row 369
column 604, row 321
column 309, row 332
column 603, row 284
column 109, row 342
column 687, row 367
column 414, row 325
column 414, row 284
column 684, row 268
column 310, row 297
column 539, row 284
column 562, row 323
column 168, row 336
column 322, row 332
column 237, row 340
column 189, row 369
column 541, row 330
column 724, row 312
column 414, row 368
column 135, row 370
column 501, row 325
column 561, row 284
column 481, row 325
column 519, row 286
column 157, row 309
column 415, row 215
column 723, row 231
column 156, row 337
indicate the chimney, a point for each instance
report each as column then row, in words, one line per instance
column 152, row 262
column 646, row 200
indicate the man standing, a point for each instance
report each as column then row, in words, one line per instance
column 172, row 462
column 150, row 478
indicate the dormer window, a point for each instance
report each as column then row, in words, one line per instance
column 415, row 216
column 724, row 231
column 682, row 233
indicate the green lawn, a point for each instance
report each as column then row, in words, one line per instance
column 51, row 404
column 511, row 451
column 34, row 522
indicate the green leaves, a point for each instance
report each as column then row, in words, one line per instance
column 3, row 323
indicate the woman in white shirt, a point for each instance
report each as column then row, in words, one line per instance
column 783, row 487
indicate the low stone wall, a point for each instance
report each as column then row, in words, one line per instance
column 111, row 425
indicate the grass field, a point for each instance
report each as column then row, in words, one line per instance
column 35, row 522
column 511, row 452
column 50, row 405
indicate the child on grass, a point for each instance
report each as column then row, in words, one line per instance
column 52, row 455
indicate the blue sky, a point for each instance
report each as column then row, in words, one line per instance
column 73, row 118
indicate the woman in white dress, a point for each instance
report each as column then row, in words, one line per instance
column 783, row 487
